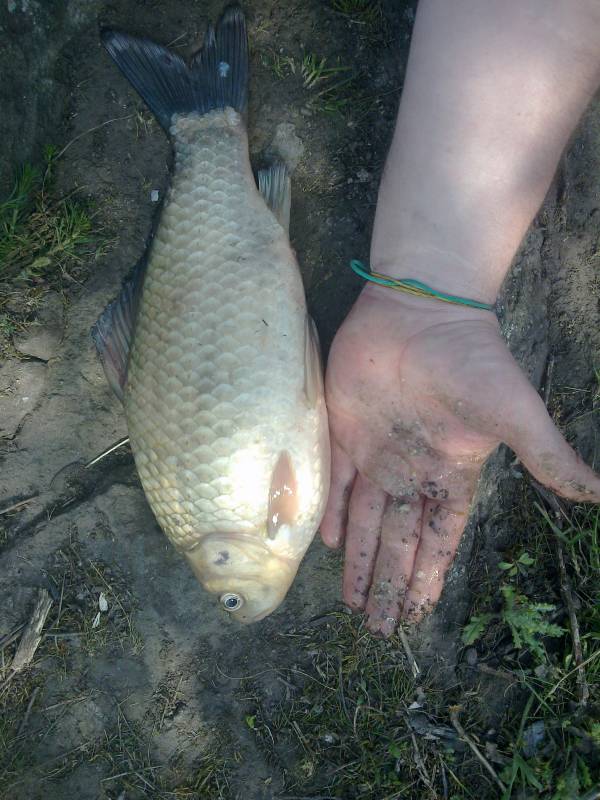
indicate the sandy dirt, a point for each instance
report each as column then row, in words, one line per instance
column 164, row 660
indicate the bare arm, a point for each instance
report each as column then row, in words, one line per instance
column 420, row 392
column 493, row 91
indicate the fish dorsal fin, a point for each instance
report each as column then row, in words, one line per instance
column 113, row 330
column 283, row 495
column 313, row 363
column 276, row 187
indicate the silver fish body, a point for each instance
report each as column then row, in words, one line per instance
column 224, row 396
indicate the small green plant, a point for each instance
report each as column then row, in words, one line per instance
column 525, row 619
column 518, row 567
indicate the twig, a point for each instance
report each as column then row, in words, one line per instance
column 25, row 719
column 558, row 683
column 497, row 673
column 419, row 761
column 105, row 453
column 89, row 130
column 32, row 635
column 567, row 595
column 409, row 653
column 10, row 637
column 565, row 590
column 14, row 506
column 444, row 778
column 454, row 710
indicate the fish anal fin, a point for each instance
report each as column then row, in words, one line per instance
column 276, row 187
column 313, row 364
column 283, row 495
column 113, row 330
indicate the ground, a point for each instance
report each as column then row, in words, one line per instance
column 141, row 687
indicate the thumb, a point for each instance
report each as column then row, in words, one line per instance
column 544, row 451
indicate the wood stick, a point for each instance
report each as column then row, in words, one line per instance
column 416, row 671
column 28, row 711
column 32, row 635
column 454, row 710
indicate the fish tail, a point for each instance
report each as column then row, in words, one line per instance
column 216, row 78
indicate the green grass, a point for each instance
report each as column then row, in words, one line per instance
column 365, row 12
column 15, row 754
column 39, row 233
column 126, row 752
column 45, row 242
column 552, row 742
column 360, row 724
column 328, row 87
column 100, row 625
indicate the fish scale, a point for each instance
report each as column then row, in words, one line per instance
column 210, row 346
column 226, row 372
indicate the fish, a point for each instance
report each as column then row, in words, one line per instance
column 210, row 346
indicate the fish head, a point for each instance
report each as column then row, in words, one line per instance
column 247, row 578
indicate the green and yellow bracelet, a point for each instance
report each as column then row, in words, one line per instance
column 416, row 288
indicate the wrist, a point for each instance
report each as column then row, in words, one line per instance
column 442, row 271
column 424, row 310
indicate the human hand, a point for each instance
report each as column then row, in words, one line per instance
column 419, row 394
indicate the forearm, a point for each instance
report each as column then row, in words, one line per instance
column 492, row 93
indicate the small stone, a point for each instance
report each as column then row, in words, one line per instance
column 533, row 737
column 363, row 176
column 154, row 195
column 43, row 337
column 287, row 145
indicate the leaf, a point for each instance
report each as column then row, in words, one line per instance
column 394, row 750
column 251, row 721
column 526, row 559
column 527, row 772
column 475, row 627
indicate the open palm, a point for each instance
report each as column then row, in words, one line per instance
column 419, row 394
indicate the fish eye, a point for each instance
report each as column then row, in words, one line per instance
column 232, row 602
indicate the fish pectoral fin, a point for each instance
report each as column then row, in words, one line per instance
column 113, row 330
column 275, row 186
column 283, row 495
column 313, row 364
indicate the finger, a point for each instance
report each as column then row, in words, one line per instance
column 400, row 532
column 365, row 513
column 546, row 454
column 343, row 472
column 441, row 531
